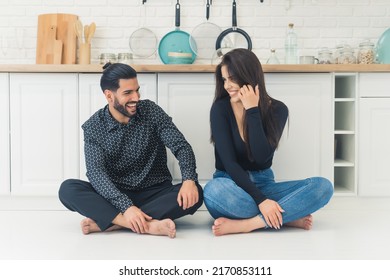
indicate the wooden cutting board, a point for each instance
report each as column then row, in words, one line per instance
column 65, row 36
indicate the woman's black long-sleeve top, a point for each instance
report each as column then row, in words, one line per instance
column 230, row 149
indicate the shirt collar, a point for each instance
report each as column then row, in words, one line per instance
column 114, row 124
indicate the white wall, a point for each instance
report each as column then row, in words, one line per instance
column 319, row 23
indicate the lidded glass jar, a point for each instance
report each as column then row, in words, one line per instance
column 107, row 57
column 325, row 56
column 339, row 47
column 126, row 58
column 366, row 53
column 346, row 56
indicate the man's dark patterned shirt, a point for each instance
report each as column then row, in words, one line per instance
column 133, row 156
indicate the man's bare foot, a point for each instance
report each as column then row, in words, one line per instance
column 305, row 223
column 156, row 227
column 88, row 226
column 224, row 226
column 162, row 227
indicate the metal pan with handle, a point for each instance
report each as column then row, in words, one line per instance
column 233, row 37
column 203, row 37
column 174, row 47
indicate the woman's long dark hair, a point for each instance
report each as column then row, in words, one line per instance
column 244, row 68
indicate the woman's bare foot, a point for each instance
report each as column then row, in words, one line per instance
column 224, row 226
column 88, row 226
column 164, row 227
column 305, row 223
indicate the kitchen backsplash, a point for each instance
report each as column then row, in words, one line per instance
column 318, row 23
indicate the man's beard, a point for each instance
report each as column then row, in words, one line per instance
column 122, row 109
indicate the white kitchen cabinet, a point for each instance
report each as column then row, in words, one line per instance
column 44, row 132
column 91, row 99
column 305, row 149
column 4, row 135
column 374, row 134
column 187, row 98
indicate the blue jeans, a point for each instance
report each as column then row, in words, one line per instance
column 223, row 198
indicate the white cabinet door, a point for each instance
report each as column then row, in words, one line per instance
column 306, row 147
column 4, row 135
column 44, row 134
column 91, row 99
column 374, row 148
column 187, row 98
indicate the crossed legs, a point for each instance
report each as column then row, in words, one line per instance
column 159, row 202
column 236, row 212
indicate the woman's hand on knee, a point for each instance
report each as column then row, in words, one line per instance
column 272, row 213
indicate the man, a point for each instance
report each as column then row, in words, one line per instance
column 125, row 151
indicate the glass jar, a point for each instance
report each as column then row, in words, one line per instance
column 107, row 57
column 366, row 53
column 325, row 56
column 273, row 59
column 339, row 47
column 346, row 56
column 126, row 58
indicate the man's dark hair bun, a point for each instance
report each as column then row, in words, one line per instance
column 108, row 64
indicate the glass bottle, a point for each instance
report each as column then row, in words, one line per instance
column 291, row 46
column 366, row 53
column 273, row 58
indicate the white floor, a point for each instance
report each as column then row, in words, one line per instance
column 348, row 228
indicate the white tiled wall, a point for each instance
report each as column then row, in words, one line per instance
column 319, row 23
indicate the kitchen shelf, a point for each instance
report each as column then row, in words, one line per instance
column 344, row 99
column 139, row 66
column 344, row 180
column 344, row 132
column 344, row 165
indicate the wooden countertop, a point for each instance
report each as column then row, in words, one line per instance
column 193, row 68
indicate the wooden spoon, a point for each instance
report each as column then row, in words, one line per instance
column 78, row 27
column 91, row 32
column 86, row 32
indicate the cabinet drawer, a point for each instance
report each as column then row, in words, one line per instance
column 374, row 84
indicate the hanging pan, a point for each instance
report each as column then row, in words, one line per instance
column 204, row 36
column 174, row 47
column 143, row 41
column 233, row 37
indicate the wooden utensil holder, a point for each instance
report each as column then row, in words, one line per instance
column 85, row 53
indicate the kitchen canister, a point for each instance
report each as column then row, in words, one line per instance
column 346, row 56
column 107, row 57
column 366, row 53
column 383, row 48
column 325, row 56
column 126, row 58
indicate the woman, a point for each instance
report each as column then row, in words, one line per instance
column 246, row 126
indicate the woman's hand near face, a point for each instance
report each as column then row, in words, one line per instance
column 249, row 96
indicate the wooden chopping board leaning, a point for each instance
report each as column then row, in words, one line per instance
column 56, row 39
